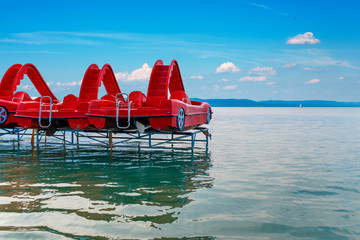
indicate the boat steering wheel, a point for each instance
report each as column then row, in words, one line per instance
column 208, row 116
column 3, row 115
column 180, row 120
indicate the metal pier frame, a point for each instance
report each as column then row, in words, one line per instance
column 20, row 133
column 111, row 139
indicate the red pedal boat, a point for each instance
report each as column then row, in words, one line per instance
column 10, row 100
column 71, row 112
column 157, row 109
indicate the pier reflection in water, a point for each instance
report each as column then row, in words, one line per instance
column 64, row 192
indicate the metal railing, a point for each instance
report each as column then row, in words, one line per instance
column 44, row 105
column 118, row 105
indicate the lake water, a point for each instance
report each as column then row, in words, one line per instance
column 269, row 173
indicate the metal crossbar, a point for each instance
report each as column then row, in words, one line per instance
column 18, row 132
column 110, row 139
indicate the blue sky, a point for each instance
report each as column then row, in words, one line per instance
column 257, row 49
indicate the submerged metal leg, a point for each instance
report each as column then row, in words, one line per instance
column 33, row 138
column 18, row 136
column 37, row 137
column 192, row 141
column 111, row 141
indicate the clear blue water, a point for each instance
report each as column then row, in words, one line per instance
column 270, row 173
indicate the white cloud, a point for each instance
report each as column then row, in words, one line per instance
column 266, row 71
column 121, row 75
column 258, row 74
column 289, row 65
column 341, row 78
column 334, row 62
column 230, row 87
column 68, row 84
column 271, row 83
column 142, row 73
column 224, row 80
column 216, row 87
column 153, row 41
column 197, row 77
column 310, row 69
column 227, row 67
column 312, row 81
column 26, row 87
column 50, row 83
column 40, row 38
column 252, row 79
column 306, row 38
column 203, row 87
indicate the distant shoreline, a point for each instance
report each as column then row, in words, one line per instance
column 275, row 103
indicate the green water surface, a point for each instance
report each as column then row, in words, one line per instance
column 269, row 173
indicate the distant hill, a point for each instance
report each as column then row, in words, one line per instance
column 275, row 103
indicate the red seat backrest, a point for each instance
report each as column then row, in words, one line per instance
column 137, row 98
column 108, row 97
column 70, row 102
column 21, row 96
column 180, row 95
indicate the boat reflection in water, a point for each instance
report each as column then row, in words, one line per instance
column 129, row 189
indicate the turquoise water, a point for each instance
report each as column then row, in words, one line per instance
column 269, row 173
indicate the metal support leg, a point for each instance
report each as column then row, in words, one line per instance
column 111, row 141
column 37, row 137
column 150, row 140
column 192, row 142
column 18, row 136
column 33, row 138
